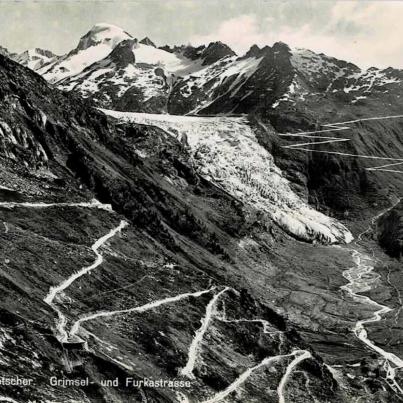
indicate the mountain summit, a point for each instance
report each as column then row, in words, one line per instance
column 114, row 68
column 103, row 33
column 96, row 44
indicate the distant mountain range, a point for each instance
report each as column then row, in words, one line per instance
column 121, row 72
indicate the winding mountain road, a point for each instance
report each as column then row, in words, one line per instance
column 92, row 204
column 342, row 126
column 7, row 399
column 360, row 279
column 54, row 291
column 198, row 338
column 299, row 355
column 143, row 308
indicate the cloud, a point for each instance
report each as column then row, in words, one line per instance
column 366, row 33
column 239, row 33
column 378, row 30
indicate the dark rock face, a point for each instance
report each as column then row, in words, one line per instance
column 45, row 52
column 191, row 52
column 267, row 74
column 330, row 184
column 148, row 41
column 133, row 100
column 123, row 54
column 390, row 231
column 254, row 51
column 339, row 186
column 216, row 51
column 167, row 48
column 208, row 54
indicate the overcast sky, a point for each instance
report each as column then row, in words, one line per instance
column 365, row 32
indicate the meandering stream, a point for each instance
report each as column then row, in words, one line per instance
column 360, row 278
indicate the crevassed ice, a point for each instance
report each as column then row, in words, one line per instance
column 226, row 151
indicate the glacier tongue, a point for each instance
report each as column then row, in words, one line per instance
column 226, row 151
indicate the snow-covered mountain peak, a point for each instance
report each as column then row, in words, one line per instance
column 153, row 56
column 95, row 45
column 35, row 58
column 103, row 33
column 318, row 73
column 5, row 52
column 110, row 64
column 307, row 61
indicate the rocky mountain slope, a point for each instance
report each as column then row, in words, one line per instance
column 278, row 77
column 390, row 231
column 213, row 253
column 53, row 143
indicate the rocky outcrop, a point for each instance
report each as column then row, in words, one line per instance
column 191, row 52
column 147, row 41
column 390, row 231
column 235, row 85
column 122, row 55
column 215, row 51
column 5, row 52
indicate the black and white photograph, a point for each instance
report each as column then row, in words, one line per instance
column 201, row 201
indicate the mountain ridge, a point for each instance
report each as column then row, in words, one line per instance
column 196, row 80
